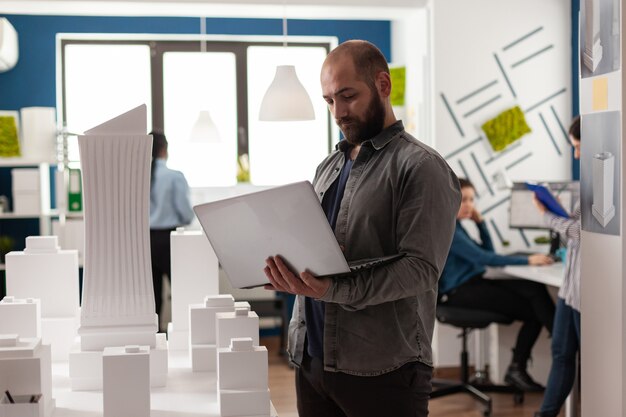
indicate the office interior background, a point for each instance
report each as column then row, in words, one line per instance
column 465, row 60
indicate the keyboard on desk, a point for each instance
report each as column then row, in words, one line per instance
column 522, row 253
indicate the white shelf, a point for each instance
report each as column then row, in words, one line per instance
column 23, row 162
column 11, row 215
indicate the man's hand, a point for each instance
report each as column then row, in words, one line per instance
column 540, row 259
column 282, row 279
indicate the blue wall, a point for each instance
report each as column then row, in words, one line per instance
column 33, row 81
column 575, row 86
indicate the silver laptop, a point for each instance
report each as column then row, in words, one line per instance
column 287, row 221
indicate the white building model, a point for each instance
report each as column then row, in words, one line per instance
column 118, row 301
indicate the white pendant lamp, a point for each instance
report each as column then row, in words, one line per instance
column 286, row 100
column 204, row 129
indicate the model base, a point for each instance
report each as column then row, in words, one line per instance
column 593, row 56
column 603, row 218
column 96, row 338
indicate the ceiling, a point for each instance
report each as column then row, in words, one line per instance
column 312, row 9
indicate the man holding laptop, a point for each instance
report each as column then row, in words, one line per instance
column 362, row 344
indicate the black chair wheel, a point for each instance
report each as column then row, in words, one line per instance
column 487, row 413
column 518, row 398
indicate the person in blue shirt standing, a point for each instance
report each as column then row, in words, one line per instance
column 462, row 285
column 170, row 208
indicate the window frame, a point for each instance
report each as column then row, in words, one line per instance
column 159, row 45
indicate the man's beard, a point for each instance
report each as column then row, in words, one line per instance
column 356, row 130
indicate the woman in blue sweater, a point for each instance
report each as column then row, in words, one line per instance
column 462, row 285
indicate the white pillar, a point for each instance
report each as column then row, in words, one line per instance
column 117, row 282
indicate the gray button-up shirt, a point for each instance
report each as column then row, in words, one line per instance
column 401, row 197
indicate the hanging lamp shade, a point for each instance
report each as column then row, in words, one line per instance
column 204, row 130
column 286, row 99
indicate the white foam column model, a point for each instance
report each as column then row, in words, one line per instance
column 202, row 334
column 592, row 55
column 242, row 379
column 118, row 299
column 603, row 208
column 25, row 370
column 126, row 381
column 194, row 273
column 50, row 274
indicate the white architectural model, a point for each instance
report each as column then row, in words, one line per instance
column 242, row 379
column 21, row 317
column 194, row 273
column 240, row 323
column 46, row 272
column 603, row 208
column 118, row 300
column 202, row 334
column 592, row 55
column 26, row 372
column 126, row 381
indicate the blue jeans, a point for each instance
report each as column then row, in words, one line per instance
column 565, row 345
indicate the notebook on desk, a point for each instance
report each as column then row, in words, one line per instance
column 287, row 221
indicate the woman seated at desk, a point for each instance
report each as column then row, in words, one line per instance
column 462, row 285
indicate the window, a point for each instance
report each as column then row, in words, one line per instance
column 102, row 78
column 193, row 82
column 295, row 146
column 102, row 81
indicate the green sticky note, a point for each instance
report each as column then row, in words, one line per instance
column 506, row 128
column 398, row 85
column 9, row 142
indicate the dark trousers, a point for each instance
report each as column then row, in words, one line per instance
column 565, row 346
column 161, row 262
column 400, row 393
column 518, row 299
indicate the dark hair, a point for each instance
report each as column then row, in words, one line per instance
column 465, row 183
column 574, row 129
column 159, row 144
column 367, row 58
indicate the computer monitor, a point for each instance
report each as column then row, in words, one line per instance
column 522, row 211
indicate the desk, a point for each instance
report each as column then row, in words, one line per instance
column 552, row 275
column 187, row 394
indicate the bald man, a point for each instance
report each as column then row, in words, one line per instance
column 362, row 344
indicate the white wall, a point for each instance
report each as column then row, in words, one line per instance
column 603, row 293
column 468, row 35
column 409, row 47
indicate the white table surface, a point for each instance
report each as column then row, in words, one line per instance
column 550, row 274
column 187, row 394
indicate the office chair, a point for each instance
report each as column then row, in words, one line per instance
column 468, row 320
